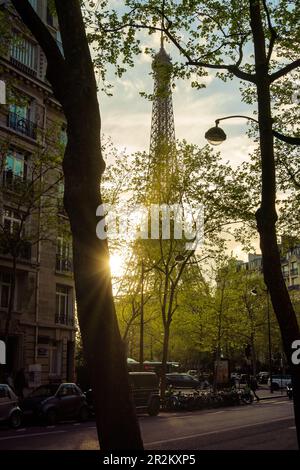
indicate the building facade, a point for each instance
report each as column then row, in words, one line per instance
column 37, row 322
column 290, row 265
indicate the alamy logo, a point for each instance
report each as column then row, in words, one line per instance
column 296, row 354
column 166, row 222
column 2, row 353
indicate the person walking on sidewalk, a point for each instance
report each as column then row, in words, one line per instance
column 252, row 383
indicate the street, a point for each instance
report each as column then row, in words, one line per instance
column 267, row 425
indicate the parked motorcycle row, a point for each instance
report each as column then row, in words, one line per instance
column 199, row 399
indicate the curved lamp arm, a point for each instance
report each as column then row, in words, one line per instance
column 278, row 135
column 236, row 116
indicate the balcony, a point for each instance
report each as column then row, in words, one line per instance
column 285, row 274
column 24, row 68
column 294, row 272
column 14, row 183
column 63, row 265
column 63, row 319
column 22, row 125
column 6, row 246
column 294, row 287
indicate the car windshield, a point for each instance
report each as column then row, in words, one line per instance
column 44, row 391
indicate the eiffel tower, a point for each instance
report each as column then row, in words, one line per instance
column 162, row 154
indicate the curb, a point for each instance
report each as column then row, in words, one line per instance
column 273, row 396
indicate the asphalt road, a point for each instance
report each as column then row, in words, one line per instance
column 267, row 425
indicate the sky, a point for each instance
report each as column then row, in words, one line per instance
column 126, row 116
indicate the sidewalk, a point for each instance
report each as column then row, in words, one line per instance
column 265, row 394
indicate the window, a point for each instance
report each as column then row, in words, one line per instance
column 33, row 3
column 66, row 390
column 23, row 52
column 15, row 168
column 4, row 393
column 294, row 268
column 19, row 119
column 11, row 221
column 59, row 42
column 64, row 314
column 63, row 136
column 5, row 282
column 49, row 15
column 63, row 255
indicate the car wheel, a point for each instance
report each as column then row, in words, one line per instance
column 154, row 407
column 84, row 413
column 15, row 419
column 51, row 417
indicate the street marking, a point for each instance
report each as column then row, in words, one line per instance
column 51, row 427
column 233, row 428
column 22, row 429
column 292, row 427
column 30, row 435
column 76, row 424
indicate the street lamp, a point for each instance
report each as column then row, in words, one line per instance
column 216, row 135
column 254, row 292
column 141, row 358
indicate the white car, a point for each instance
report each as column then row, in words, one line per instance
column 279, row 381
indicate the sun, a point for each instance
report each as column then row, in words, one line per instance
column 116, row 263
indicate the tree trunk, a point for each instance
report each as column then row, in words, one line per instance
column 266, row 215
column 74, row 85
column 253, row 354
column 164, row 360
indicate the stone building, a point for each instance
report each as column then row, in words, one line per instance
column 40, row 332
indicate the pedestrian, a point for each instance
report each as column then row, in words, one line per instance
column 9, row 380
column 20, row 382
column 253, row 386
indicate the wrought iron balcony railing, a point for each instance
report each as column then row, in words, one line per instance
column 294, row 287
column 24, row 68
column 14, row 182
column 63, row 265
column 6, row 247
column 22, row 125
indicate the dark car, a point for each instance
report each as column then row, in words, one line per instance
column 145, row 392
column 9, row 409
column 53, row 402
column 181, row 380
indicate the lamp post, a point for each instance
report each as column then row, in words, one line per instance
column 254, row 292
column 216, row 135
column 141, row 358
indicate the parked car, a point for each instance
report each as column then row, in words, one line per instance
column 279, row 381
column 9, row 408
column 145, row 392
column 193, row 373
column 289, row 390
column 262, row 377
column 53, row 402
column 181, row 380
